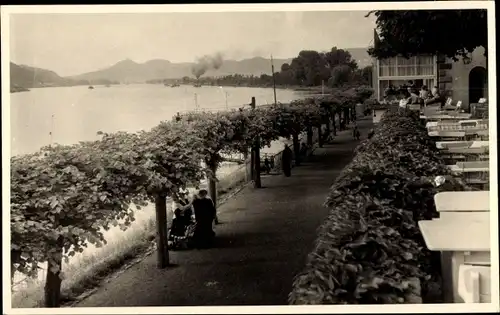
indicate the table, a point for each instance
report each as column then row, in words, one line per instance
column 472, row 234
column 480, row 150
column 462, row 144
column 446, row 117
column 474, row 122
column 461, row 201
column 474, row 164
column 458, row 169
column 469, row 123
column 458, row 127
column 457, row 157
column 480, row 144
column 461, row 240
column 447, row 134
column 453, row 144
column 470, row 167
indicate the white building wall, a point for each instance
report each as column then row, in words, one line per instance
column 460, row 75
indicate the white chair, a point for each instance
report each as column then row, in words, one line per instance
column 474, row 283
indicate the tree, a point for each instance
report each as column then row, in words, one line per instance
column 63, row 195
column 309, row 68
column 362, row 76
column 340, row 74
column 453, row 33
column 285, row 67
column 336, row 57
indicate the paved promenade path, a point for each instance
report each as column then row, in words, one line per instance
column 264, row 238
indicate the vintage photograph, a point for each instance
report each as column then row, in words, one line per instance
column 180, row 156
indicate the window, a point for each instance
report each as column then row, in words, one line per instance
column 398, row 71
column 402, row 67
column 425, row 65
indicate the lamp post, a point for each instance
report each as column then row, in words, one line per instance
column 225, row 96
column 274, row 81
column 227, row 106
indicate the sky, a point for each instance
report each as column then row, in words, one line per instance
column 71, row 44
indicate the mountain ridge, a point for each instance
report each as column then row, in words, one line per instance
column 129, row 71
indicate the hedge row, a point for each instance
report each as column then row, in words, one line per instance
column 370, row 249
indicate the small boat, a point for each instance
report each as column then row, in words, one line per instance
column 175, row 85
column 197, row 85
column 91, row 87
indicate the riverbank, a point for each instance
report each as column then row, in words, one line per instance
column 17, row 89
column 311, row 89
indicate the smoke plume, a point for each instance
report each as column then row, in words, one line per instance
column 206, row 63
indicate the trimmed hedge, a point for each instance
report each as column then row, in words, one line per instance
column 370, row 250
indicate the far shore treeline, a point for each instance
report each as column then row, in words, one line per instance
column 310, row 68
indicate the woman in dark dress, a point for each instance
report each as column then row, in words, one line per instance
column 286, row 160
column 204, row 212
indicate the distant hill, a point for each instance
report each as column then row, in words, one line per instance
column 22, row 76
column 25, row 77
column 131, row 71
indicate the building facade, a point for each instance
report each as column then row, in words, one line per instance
column 465, row 80
column 398, row 71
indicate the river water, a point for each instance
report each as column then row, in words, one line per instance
column 66, row 115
